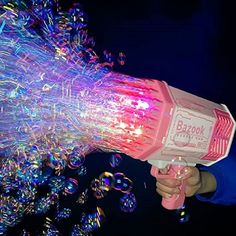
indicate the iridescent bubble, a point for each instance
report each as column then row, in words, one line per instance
column 3, row 228
column 57, row 183
column 82, row 170
column 118, row 181
column 92, row 221
column 95, row 184
column 64, row 213
column 43, row 204
column 121, row 58
column 49, row 228
column 24, row 233
column 182, row 214
column 128, row 203
column 83, row 197
column 11, row 209
column 77, row 231
column 127, row 185
column 115, row 160
column 106, row 181
column 56, row 159
column 71, row 186
column 75, row 160
column 97, row 192
column 108, row 61
column 178, row 166
column 108, row 57
column 78, row 19
column 26, row 194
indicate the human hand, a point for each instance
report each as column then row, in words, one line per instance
column 166, row 187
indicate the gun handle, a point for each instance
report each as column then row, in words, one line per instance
column 177, row 200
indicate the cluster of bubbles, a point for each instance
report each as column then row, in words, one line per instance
column 118, row 181
column 26, row 202
column 39, row 41
column 55, row 109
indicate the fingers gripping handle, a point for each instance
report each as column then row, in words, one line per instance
column 177, row 200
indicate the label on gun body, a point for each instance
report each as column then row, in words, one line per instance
column 190, row 130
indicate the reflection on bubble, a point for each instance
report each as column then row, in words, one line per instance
column 75, row 160
column 71, row 186
column 82, row 170
column 118, row 178
column 92, row 221
column 106, row 181
column 115, row 160
column 121, row 58
column 95, row 184
column 178, row 165
column 43, row 204
column 182, row 214
column 49, row 228
column 12, row 211
column 97, row 192
column 23, row 233
column 128, row 203
column 26, row 194
column 83, row 197
column 57, row 183
column 127, row 185
column 77, row 231
column 63, row 214
column 3, row 228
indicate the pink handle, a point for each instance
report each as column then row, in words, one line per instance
column 177, row 200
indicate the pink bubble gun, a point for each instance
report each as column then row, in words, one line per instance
column 177, row 129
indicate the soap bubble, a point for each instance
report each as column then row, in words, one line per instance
column 128, row 202
column 106, row 181
column 115, row 160
column 71, row 186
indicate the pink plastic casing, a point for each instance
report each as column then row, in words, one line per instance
column 186, row 126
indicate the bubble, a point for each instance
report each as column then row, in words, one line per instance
column 77, row 231
column 95, row 184
column 108, row 57
column 11, row 209
column 78, row 19
column 115, row 160
column 75, row 160
column 178, row 166
column 71, row 186
column 118, row 181
column 97, row 192
column 49, row 228
column 55, row 160
column 65, row 213
column 82, row 170
column 121, row 58
column 57, row 183
column 92, row 221
column 127, row 185
column 182, row 215
column 3, row 228
column 26, row 194
column 43, row 204
column 106, row 181
column 128, row 203
column 23, row 233
column 83, row 197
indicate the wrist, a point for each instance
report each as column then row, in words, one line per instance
column 207, row 183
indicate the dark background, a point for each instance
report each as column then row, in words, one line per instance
column 191, row 46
